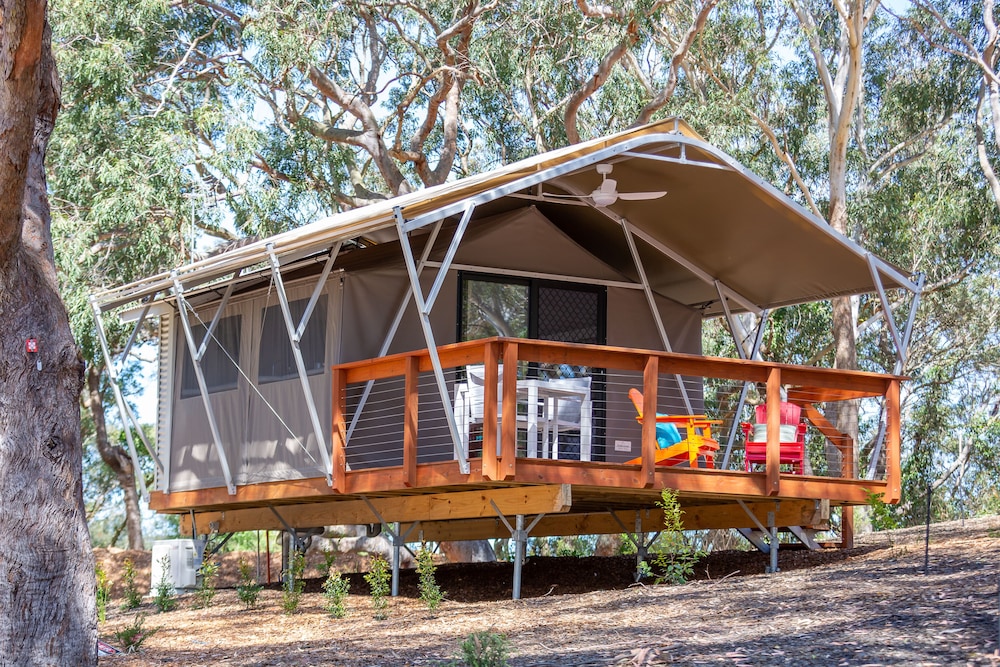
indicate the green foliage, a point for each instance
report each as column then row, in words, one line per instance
column 292, row 583
column 165, row 600
column 379, row 578
column 329, row 559
column 485, row 649
column 881, row 514
column 674, row 558
column 103, row 593
column 132, row 636
column 209, row 571
column 430, row 593
column 335, row 590
column 133, row 598
column 247, row 590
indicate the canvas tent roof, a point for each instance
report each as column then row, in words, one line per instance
column 720, row 228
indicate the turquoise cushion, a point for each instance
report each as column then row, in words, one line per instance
column 667, row 435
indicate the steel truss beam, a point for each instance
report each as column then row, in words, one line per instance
column 295, row 337
column 200, row 373
column 424, row 308
column 125, row 413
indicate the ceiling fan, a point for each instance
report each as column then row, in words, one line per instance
column 607, row 193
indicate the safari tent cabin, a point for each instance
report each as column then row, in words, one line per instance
column 501, row 344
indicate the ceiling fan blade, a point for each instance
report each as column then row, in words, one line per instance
column 639, row 196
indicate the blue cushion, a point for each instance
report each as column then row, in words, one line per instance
column 667, row 435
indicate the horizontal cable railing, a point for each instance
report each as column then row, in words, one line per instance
column 570, row 402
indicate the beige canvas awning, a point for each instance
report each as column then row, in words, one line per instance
column 720, row 230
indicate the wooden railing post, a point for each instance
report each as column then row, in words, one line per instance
column 491, row 357
column 650, row 382
column 411, row 392
column 772, row 464
column 893, row 476
column 508, row 423
column 338, row 455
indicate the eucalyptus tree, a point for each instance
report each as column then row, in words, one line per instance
column 125, row 195
column 46, row 566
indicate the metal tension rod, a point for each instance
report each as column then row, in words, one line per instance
column 200, row 376
column 295, row 337
column 425, row 323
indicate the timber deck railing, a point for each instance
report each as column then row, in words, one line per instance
column 388, row 412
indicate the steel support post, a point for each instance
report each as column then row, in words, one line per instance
column 395, row 558
column 520, row 536
column 774, row 543
column 202, row 386
column 294, row 338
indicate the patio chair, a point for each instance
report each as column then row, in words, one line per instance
column 673, row 449
column 570, row 415
column 469, row 408
column 792, row 437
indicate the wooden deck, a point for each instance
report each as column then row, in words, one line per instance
column 576, row 497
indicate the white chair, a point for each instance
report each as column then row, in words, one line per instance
column 569, row 409
column 470, row 400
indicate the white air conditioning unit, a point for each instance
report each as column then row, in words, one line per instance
column 183, row 559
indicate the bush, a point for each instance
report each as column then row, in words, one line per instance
column 675, row 558
column 133, row 598
column 378, row 579
column 103, row 593
column 209, row 570
column 131, row 637
column 293, row 583
column 335, row 590
column 248, row 590
column 485, row 649
column 164, row 599
column 430, row 593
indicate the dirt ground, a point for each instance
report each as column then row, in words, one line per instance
column 872, row 605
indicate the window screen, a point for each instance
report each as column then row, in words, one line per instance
column 221, row 360
column 276, row 360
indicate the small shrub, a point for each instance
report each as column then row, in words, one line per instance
column 335, row 590
column 103, row 593
column 485, row 649
column 675, row 558
column 209, row 571
column 133, row 598
column 248, row 590
column 131, row 637
column 430, row 593
column 293, row 583
column 378, row 579
column 329, row 560
column 164, row 599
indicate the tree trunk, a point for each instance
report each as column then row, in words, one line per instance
column 115, row 458
column 47, row 588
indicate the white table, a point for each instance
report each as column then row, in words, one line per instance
column 542, row 398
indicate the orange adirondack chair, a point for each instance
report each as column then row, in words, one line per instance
column 673, row 449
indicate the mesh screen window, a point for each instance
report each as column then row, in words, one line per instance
column 222, row 357
column 276, row 362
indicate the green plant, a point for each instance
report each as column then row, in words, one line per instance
column 293, row 583
column 131, row 637
column 378, row 578
column 164, row 599
column 103, row 593
column 329, row 559
column 675, row 557
column 881, row 514
column 430, row 593
column 335, row 590
column 209, row 571
column 133, row 598
column 485, row 649
column 248, row 590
